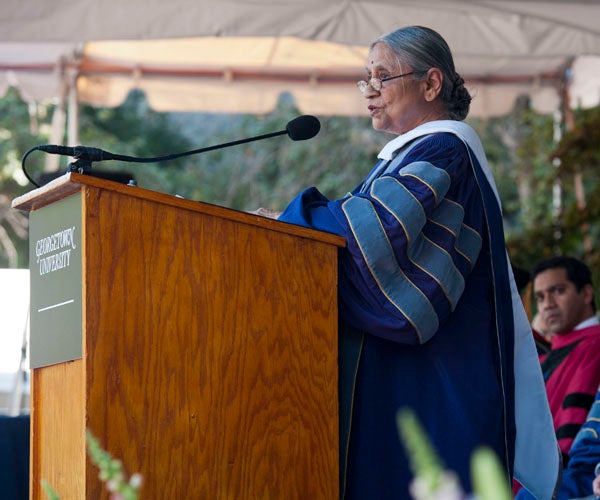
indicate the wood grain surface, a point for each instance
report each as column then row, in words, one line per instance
column 210, row 354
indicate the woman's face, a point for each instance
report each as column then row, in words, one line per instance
column 401, row 104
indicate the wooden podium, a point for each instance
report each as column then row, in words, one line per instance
column 208, row 356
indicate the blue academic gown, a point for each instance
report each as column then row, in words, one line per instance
column 583, row 462
column 425, row 312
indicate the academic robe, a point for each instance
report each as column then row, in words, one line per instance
column 584, row 457
column 431, row 318
column 583, row 462
column 572, row 374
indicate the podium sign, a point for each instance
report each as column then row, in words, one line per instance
column 55, row 273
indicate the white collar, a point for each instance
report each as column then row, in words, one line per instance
column 460, row 129
column 588, row 322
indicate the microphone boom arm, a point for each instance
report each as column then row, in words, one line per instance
column 299, row 129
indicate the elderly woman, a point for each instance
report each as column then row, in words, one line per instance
column 430, row 315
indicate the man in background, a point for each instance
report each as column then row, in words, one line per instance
column 564, row 293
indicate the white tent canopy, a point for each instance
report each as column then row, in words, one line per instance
column 239, row 55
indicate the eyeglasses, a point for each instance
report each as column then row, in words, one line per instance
column 377, row 83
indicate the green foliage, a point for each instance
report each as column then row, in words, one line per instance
column 518, row 149
column 261, row 173
column 50, row 493
column 21, row 126
column 111, row 471
column 423, row 458
column 488, row 477
column 134, row 129
column 432, row 481
column 539, row 180
column 270, row 172
column 578, row 150
column 575, row 230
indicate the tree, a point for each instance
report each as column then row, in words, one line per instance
column 564, row 233
column 518, row 148
column 20, row 127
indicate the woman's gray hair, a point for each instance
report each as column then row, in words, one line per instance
column 423, row 48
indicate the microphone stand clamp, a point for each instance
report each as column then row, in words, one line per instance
column 80, row 166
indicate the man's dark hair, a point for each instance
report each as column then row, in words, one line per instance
column 577, row 272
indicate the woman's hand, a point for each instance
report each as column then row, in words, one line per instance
column 266, row 212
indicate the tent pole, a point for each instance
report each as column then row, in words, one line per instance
column 569, row 118
column 564, row 120
column 57, row 131
column 73, row 111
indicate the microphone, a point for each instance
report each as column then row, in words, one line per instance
column 79, row 152
column 299, row 129
column 302, row 128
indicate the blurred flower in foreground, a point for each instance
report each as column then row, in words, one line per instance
column 111, row 472
column 433, row 482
